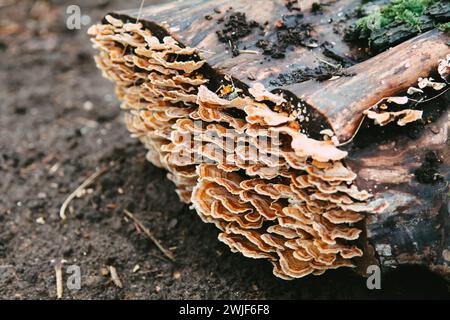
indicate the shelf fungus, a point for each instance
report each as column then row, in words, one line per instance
column 281, row 171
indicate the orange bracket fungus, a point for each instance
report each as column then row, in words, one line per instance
column 310, row 176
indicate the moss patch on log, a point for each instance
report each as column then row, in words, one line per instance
column 406, row 11
column 390, row 24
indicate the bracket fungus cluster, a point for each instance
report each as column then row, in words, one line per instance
column 264, row 166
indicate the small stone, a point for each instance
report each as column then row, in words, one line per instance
column 40, row 220
column 88, row 105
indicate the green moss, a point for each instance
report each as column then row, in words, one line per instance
column 402, row 11
column 444, row 27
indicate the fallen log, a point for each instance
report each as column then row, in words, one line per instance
column 384, row 75
column 313, row 175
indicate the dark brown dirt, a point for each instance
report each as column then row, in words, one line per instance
column 290, row 32
column 59, row 121
column 235, row 27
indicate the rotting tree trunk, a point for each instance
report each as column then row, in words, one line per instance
column 343, row 100
column 384, row 75
column 414, row 228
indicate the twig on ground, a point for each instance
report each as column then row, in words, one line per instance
column 59, row 280
column 115, row 277
column 88, row 181
column 147, row 232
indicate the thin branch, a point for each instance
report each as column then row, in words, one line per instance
column 81, row 187
column 59, row 280
column 140, row 11
column 430, row 99
column 326, row 62
column 147, row 232
column 354, row 135
column 207, row 51
column 249, row 51
column 115, row 277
